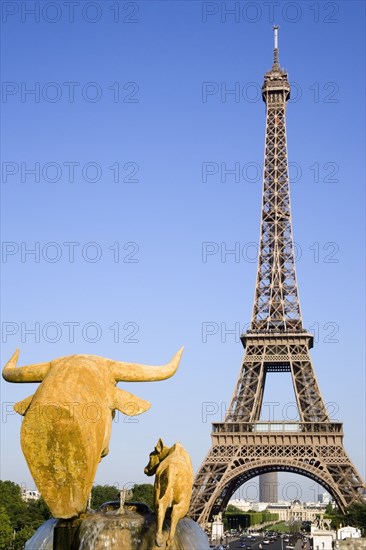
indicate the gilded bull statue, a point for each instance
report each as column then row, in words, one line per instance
column 173, row 471
column 68, row 420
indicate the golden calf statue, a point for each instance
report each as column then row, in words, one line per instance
column 68, row 421
column 173, row 471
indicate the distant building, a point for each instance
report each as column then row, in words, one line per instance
column 30, row 495
column 324, row 498
column 268, row 487
column 287, row 511
column 297, row 511
column 245, row 505
column 348, row 533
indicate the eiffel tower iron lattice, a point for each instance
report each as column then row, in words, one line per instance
column 243, row 446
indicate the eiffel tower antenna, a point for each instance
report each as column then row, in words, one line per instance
column 242, row 446
column 275, row 50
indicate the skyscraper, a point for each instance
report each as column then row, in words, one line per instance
column 268, row 487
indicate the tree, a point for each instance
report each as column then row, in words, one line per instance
column 6, row 530
column 230, row 509
column 36, row 513
column 22, row 536
column 24, row 517
column 42, row 509
column 102, row 494
column 11, row 499
column 356, row 516
column 144, row 493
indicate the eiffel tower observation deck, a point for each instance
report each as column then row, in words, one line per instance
column 242, row 446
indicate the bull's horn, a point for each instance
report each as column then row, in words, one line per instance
column 30, row 373
column 133, row 372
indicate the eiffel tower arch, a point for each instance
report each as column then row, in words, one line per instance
column 242, row 446
column 241, row 451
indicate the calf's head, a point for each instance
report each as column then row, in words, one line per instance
column 156, row 457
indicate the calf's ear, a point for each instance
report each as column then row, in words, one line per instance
column 159, row 446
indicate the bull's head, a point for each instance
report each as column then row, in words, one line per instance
column 67, row 424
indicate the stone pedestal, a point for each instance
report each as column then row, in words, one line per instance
column 217, row 530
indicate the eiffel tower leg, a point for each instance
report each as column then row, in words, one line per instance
column 246, row 402
column 208, row 478
column 277, row 354
column 309, row 401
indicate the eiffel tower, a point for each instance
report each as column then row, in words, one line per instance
column 243, row 446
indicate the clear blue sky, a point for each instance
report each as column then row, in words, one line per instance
column 122, row 84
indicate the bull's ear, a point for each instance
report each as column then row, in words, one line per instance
column 129, row 404
column 159, row 446
column 22, row 406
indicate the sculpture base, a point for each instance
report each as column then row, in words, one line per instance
column 132, row 528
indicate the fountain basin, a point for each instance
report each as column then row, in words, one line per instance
column 110, row 528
